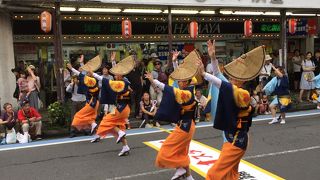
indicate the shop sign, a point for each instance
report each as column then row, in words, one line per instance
column 270, row 28
column 149, row 28
column 163, row 50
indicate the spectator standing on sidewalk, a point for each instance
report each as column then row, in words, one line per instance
column 34, row 87
column 279, row 86
column 136, row 81
column 78, row 100
column 296, row 60
column 158, row 74
column 306, row 83
column 265, row 74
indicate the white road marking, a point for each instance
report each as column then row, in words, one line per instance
column 281, row 153
column 69, row 140
column 140, row 174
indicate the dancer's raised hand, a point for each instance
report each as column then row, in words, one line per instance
column 212, row 49
column 149, row 76
column 113, row 55
column 69, row 66
column 175, row 55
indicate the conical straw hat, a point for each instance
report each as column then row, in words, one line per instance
column 124, row 67
column 188, row 68
column 247, row 66
column 93, row 65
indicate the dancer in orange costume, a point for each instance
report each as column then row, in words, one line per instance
column 233, row 113
column 117, row 95
column 177, row 106
column 86, row 117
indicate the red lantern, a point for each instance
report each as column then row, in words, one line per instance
column 126, row 29
column 193, row 29
column 292, row 24
column 247, row 28
column 46, row 21
column 312, row 26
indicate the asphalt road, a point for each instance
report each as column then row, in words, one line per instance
column 291, row 151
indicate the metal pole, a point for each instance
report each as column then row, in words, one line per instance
column 170, row 35
column 283, row 38
column 58, row 53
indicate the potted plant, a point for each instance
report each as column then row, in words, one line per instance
column 56, row 113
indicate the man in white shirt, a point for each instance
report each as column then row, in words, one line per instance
column 78, row 100
column 265, row 72
column 202, row 103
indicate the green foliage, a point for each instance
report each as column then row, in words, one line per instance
column 57, row 113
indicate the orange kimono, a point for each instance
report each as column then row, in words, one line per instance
column 115, row 93
column 174, row 151
column 85, row 117
column 110, row 121
column 234, row 117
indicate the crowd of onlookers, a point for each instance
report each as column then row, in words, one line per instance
column 146, row 98
column 301, row 70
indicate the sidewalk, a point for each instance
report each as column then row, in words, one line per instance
column 135, row 123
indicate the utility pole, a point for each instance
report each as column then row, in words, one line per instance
column 283, row 38
column 170, row 35
column 58, row 61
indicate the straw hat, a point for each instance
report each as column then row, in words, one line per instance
column 188, row 68
column 268, row 57
column 247, row 66
column 93, row 65
column 124, row 67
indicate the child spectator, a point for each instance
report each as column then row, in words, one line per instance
column 255, row 102
column 23, row 85
column 202, row 102
column 148, row 109
column 264, row 106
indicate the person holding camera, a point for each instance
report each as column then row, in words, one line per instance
column 265, row 73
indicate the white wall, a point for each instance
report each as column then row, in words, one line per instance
column 7, row 79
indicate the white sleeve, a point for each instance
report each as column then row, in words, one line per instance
column 95, row 75
column 159, row 84
column 215, row 67
column 75, row 71
column 213, row 79
column 113, row 63
column 69, row 88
